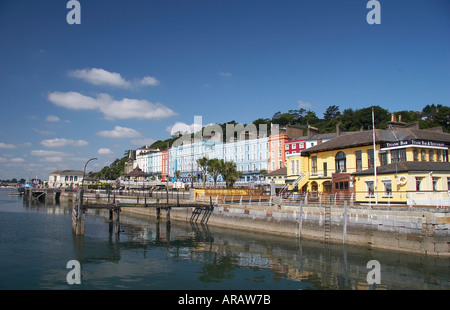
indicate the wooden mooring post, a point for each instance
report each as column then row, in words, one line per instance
column 79, row 211
column 78, row 214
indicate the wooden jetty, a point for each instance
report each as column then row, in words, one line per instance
column 115, row 208
column 82, row 205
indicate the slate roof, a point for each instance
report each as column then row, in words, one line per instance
column 67, row 172
column 282, row 171
column 136, row 172
column 359, row 138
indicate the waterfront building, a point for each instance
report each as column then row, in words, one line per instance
column 154, row 164
column 142, row 158
column 277, row 140
column 164, row 165
column 295, row 145
column 250, row 155
column 65, row 178
column 411, row 166
column 183, row 159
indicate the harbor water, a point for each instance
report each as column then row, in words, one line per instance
column 37, row 242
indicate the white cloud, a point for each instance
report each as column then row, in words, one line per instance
column 98, row 76
column 47, row 153
column 7, row 146
column 57, row 142
column 52, row 118
column 119, row 132
column 149, row 80
column 43, row 132
column 225, row 74
column 183, row 128
column 105, row 151
column 52, row 159
column 304, row 105
column 111, row 109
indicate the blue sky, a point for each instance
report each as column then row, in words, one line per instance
column 132, row 69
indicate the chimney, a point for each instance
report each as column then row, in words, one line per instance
column 393, row 117
column 319, row 140
column 338, row 130
column 312, row 131
column 400, row 118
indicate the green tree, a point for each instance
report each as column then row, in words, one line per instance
column 230, row 173
column 331, row 113
column 215, row 169
column 203, row 163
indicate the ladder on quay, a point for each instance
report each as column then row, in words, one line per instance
column 327, row 222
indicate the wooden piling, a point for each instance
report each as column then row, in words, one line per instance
column 168, row 215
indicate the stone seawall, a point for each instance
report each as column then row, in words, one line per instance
column 424, row 231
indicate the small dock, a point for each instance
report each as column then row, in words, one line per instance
column 42, row 194
column 200, row 211
column 114, row 208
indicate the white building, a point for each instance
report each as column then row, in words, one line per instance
column 65, row 178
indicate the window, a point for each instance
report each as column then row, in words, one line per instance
column 341, row 185
column 340, row 162
column 418, row 183
column 370, row 189
column 383, row 158
column 279, row 153
column 75, row 178
column 286, row 147
column 279, row 142
column 398, row 155
column 435, row 183
column 431, row 154
column 370, row 158
column 448, row 184
column 358, row 161
column 325, row 169
column 314, row 164
column 438, row 155
column 423, row 155
column 416, row 155
column 387, row 186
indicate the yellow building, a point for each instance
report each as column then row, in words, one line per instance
column 412, row 167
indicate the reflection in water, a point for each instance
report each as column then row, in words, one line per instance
column 151, row 254
column 225, row 255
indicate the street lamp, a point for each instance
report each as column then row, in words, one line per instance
column 84, row 171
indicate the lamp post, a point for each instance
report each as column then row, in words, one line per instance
column 84, row 171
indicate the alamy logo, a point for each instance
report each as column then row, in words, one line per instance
column 74, row 16
column 74, row 275
column 374, row 16
column 374, row 275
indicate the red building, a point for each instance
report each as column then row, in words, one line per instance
column 165, row 165
column 295, row 146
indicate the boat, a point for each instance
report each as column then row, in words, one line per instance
column 21, row 189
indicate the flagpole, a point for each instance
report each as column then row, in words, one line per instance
column 374, row 158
